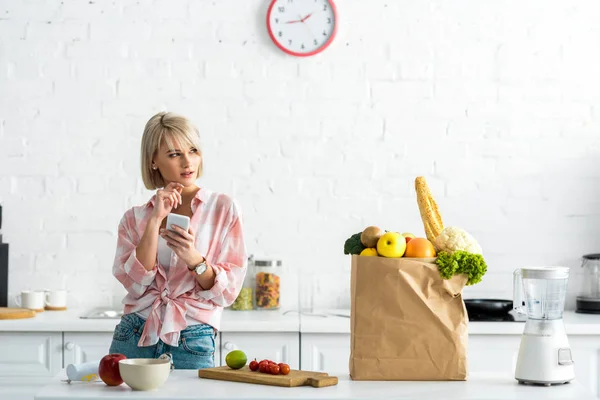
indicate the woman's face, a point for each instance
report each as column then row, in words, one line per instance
column 177, row 165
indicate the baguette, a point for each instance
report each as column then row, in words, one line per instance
column 430, row 214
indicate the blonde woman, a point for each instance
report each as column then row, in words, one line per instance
column 177, row 281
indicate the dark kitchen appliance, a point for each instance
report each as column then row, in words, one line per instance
column 588, row 299
column 3, row 268
column 492, row 310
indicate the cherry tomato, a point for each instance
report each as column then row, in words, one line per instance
column 263, row 367
column 263, row 360
column 253, row 365
column 284, row 369
column 274, row 369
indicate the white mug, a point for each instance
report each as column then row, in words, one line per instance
column 55, row 298
column 33, row 300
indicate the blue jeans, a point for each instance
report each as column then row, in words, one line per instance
column 196, row 348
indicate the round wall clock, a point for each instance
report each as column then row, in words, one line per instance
column 302, row 27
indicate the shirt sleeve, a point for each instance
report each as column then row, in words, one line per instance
column 127, row 268
column 230, row 265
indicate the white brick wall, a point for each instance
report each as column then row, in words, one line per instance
column 495, row 102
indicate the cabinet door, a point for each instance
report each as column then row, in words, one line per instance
column 325, row 352
column 493, row 353
column 279, row 347
column 30, row 354
column 586, row 355
column 81, row 347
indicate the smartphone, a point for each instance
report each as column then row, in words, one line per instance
column 179, row 220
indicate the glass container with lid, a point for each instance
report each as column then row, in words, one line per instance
column 244, row 301
column 268, row 273
column 588, row 298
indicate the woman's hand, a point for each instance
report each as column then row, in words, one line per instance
column 167, row 199
column 182, row 243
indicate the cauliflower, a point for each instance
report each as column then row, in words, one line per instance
column 453, row 238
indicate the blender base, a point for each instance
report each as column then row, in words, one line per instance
column 536, row 383
column 586, row 305
column 544, row 356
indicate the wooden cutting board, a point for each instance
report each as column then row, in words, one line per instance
column 16, row 313
column 294, row 378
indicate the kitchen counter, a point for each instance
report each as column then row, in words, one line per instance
column 185, row 384
column 69, row 321
column 575, row 324
column 326, row 321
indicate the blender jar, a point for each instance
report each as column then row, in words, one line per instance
column 588, row 299
column 268, row 284
column 545, row 289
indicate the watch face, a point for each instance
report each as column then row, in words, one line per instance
column 201, row 268
column 302, row 27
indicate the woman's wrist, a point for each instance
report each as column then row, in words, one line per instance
column 198, row 258
column 154, row 222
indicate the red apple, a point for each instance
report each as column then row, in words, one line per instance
column 109, row 369
column 408, row 236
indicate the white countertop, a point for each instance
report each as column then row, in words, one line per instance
column 185, row 384
column 276, row 321
column 69, row 321
column 575, row 324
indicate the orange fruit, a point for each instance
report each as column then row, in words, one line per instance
column 419, row 248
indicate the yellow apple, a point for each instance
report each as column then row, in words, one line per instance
column 369, row 252
column 391, row 245
column 408, row 236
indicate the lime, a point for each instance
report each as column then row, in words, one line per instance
column 236, row 359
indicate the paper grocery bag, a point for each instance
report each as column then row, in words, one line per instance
column 407, row 322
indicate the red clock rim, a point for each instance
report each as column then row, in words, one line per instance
column 312, row 53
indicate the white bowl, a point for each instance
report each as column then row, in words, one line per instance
column 144, row 373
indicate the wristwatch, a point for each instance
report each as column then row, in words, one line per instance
column 200, row 268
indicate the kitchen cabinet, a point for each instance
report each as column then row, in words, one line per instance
column 30, row 354
column 330, row 352
column 325, row 352
column 498, row 353
column 81, row 347
column 280, row 347
column 586, row 354
column 493, row 353
column 28, row 361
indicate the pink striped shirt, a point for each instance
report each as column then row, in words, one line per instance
column 175, row 294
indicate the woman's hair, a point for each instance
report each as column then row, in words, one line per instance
column 177, row 132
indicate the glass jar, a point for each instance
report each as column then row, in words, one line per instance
column 244, row 300
column 268, row 284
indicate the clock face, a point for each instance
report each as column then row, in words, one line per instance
column 302, row 27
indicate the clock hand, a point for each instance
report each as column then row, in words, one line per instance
column 305, row 18
column 308, row 27
column 293, row 22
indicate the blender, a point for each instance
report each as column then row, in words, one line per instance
column 544, row 353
